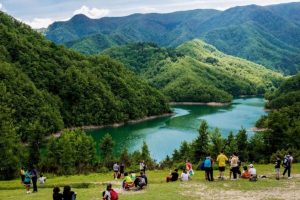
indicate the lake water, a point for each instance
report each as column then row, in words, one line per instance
column 165, row 134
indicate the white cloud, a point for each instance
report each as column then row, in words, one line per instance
column 39, row 22
column 92, row 12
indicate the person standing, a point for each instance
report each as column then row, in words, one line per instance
column 34, row 177
column 234, row 165
column 116, row 170
column 277, row 167
column 122, row 169
column 208, row 166
column 27, row 181
column 143, row 166
column 221, row 159
column 287, row 164
column 22, row 174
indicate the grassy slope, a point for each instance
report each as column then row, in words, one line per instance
column 198, row 188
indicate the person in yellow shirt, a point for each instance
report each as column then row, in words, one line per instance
column 221, row 159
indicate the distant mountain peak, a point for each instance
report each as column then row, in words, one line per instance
column 79, row 17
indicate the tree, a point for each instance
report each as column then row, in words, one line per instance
column 125, row 157
column 200, row 144
column 242, row 144
column 106, row 149
column 185, row 151
column 10, row 147
column 230, row 144
column 216, row 142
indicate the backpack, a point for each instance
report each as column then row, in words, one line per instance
column 114, row 195
column 286, row 161
column 201, row 166
column 207, row 163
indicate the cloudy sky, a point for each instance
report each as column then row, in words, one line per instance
column 41, row 13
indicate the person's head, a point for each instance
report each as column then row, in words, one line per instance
column 176, row 170
column 41, row 175
column 126, row 174
column 109, row 186
column 67, row 189
column 234, row 154
column 222, row 152
column 251, row 166
column 187, row 160
column 290, row 153
column 56, row 190
column 245, row 168
column 22, row 167
column 141, row 173
column 184, row 171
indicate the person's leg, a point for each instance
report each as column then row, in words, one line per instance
column 211, row 174
column 285, row 170
column 34, row 180
column 234, row 171
column 289, row 171
column 207, row 174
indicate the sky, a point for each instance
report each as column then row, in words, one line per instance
column 41, row 13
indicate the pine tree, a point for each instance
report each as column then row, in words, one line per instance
column 200, row 144
column 106, row 149
column 242, row 144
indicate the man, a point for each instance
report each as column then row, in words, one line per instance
column 221, row 159
column 116, row 170
column 34, row 177
column 287, row 164
column 173, row 176
column 234, row 165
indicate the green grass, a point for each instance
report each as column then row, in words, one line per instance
column 90, row 186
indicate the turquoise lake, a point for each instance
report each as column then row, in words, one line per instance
column 165, row 134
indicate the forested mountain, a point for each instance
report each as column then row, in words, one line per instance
column 45, row 87
column 268, row 35
column 283, row 122
column 195, row 71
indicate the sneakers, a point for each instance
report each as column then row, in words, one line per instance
column 290, row 177
column 28, row 192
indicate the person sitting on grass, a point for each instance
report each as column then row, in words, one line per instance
column 68, row 194
column 109, row 193
column 56, row 194
column 173, row 176
column 42, row 179
column 184, row 175
column 252, row 172
column 127, row 182
column 141, row 181
column 245, row 173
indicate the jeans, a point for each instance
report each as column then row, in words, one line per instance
column 287, row 169
column 34, row 180
column 234, row 171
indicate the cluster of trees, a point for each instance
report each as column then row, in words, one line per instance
column 195, row 71
column 45, row 87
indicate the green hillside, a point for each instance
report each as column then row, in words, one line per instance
column 195, row 71
column 267, row 35
column 45, row 87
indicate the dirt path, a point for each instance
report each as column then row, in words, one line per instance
column 291, row 191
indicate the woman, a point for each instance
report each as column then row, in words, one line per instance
column 27, row 181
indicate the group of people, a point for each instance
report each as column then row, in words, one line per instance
column 118, row 170
column 31, row 176
column 249, row 172
column 67, row 194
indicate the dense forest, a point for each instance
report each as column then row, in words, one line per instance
column 267, row 35
column 195, row 71
column 45, row 87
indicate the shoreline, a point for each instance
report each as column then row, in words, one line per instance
column 114, row 125
column 255, row 129
column 201, row 103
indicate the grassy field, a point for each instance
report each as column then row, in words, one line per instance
column 90, row 187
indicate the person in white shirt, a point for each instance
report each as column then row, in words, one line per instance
column 184, row 176
column 252, row 172
column 42, row 179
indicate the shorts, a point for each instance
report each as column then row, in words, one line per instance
column 27, row 183
column 116, row 171
column 277, row 170
column 221, row 169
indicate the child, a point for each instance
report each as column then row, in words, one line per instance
column 184, row 176
column 252, row 172
column 42, row 179
column 127, row 182
column 27, row 181
column 277, row 167
column 245, row 173
column 109, row 193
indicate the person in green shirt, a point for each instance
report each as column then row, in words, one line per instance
column 127, row 182
column 221, row 159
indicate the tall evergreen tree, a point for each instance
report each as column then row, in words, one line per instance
column 200, row 144
column 242, row 144
column 106, row 149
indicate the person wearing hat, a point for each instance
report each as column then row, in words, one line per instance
column 252, row 172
